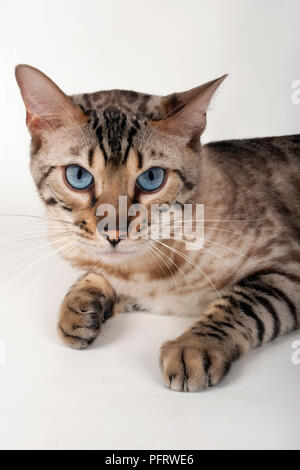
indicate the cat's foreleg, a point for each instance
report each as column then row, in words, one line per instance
column 254, row 311
column 87, row 305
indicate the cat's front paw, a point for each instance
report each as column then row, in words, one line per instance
column 190, row 364
column 84, row 310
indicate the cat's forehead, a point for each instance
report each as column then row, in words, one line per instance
column 126, row 101
column 116, row 131
column 119, row 120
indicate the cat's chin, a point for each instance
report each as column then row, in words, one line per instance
column 115, row 255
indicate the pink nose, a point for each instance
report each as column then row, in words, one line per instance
column 113, row 236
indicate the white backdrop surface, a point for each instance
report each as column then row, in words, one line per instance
column 111, row 396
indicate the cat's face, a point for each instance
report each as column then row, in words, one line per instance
column 90, row 150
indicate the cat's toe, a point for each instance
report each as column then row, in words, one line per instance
column 188, row 368
column 81, row 317
column 79, row 332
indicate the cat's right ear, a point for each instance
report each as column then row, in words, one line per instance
column 185, row 113
column 47, row 107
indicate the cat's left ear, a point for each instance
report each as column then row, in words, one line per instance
column 47, row 105
column 185, row 113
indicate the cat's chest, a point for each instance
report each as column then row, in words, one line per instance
column 162, row 298
column 173, row 304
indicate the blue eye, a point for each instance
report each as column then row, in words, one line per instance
column 78, row 177
column 151, row 179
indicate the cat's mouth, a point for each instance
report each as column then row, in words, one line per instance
column 119, row 252
column 112, row 253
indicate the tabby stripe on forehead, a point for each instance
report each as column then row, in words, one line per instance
column 96, row 120
column 136, row 123
column 140, row 159
column 123, row 121
column 45, row 176
column 131, row 134
column 91, row 156
column 189, row 185
column 100, row 140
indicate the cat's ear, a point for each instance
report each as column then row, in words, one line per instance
column 46, row 105
column 185, row 113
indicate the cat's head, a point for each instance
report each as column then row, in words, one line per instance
column 88, row 150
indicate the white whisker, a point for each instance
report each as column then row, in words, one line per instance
column 159, row 253
column 193, row 263
column 37, row 261
column 155, row 254
column 173, row 262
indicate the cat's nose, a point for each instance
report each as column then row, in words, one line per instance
column 113, row 236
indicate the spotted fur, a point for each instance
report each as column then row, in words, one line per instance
column 243, row 286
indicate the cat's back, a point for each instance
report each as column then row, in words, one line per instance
column 268, row 168
column 278, row 150
column 268, row 158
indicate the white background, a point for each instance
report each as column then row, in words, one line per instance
column 112, row 396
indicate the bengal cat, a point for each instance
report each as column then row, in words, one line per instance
column 243, row 285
